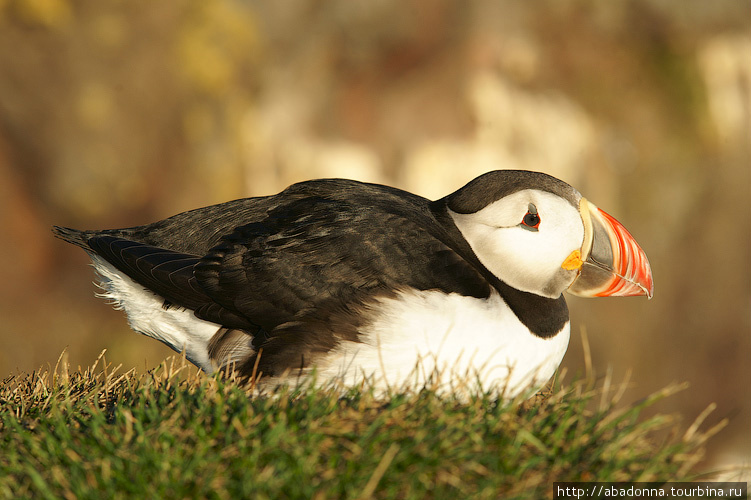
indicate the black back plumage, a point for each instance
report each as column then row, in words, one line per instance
column 299, row 271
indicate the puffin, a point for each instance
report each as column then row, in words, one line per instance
column 340, row 281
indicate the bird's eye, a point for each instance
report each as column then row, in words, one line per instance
column 531, row 219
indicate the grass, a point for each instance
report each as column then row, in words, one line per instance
column 174, row 433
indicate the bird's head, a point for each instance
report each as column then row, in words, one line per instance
column 538, row 234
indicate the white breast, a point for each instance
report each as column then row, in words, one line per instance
column 419, row 334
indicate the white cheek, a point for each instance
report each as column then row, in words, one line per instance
column 527, row 260
column 524, row 259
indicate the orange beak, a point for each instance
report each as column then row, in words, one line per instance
column 613, row 264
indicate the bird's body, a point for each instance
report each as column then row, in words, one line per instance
column 354, row 281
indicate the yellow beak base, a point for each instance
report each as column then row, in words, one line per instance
column 573, row 261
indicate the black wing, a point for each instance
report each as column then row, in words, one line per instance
column 319, row 252
column 307, row 272
column 168, row 274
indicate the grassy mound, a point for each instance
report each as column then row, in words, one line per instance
column 174, row 433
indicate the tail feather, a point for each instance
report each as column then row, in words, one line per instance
column 79, row 238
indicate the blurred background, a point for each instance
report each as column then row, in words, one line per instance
column 121, row 113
